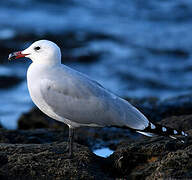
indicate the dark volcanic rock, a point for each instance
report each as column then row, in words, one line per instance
column 183, row 122
column 47, row 161
column 37, row 136
column 147, row 158
column 153, row 158
column 143, row 158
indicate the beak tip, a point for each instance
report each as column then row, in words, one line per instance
column 16, row 55
column 11, row 56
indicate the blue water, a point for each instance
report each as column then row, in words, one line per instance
column 103, row 152
column 144, row 46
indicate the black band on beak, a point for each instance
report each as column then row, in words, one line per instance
column 16, row 55
column 12, row 56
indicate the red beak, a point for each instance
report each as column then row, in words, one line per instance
column 16, row 55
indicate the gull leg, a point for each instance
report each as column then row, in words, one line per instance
column 69, row 147
column 70, row 141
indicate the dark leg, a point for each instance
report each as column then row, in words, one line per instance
column 70, row 141
column 69, row 148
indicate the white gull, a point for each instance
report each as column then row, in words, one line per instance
column 71, row 97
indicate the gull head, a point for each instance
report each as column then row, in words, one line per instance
column 42, row 51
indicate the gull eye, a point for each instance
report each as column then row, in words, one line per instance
column 37, row 48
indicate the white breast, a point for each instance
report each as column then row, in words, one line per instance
column 34, row 77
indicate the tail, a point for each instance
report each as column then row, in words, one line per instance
column 156, row 129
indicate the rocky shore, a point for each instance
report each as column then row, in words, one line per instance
column 135, row 49
column 36, row 149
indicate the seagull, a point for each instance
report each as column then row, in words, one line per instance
column 71, row 97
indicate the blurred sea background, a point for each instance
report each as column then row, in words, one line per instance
column 138, row 49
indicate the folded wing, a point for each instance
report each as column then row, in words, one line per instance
column 75, row 97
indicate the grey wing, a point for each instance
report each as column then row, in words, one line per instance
column 83, row 101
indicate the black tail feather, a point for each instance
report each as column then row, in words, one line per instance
column 154, row 129
column 163, row 130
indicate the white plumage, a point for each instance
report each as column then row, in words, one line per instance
column 71, row 97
